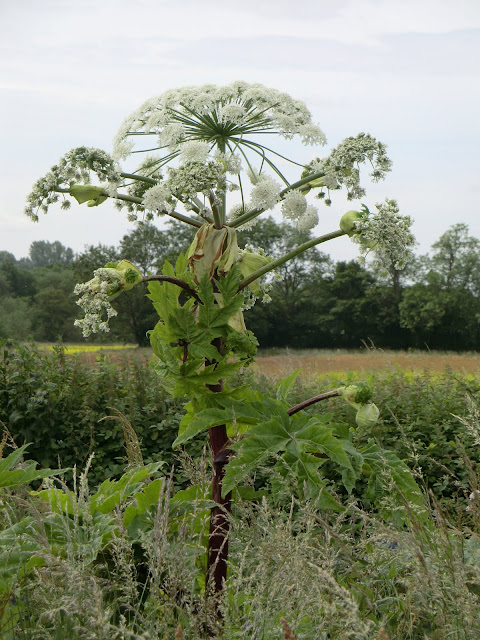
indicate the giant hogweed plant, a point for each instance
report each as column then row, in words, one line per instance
column 200, row 146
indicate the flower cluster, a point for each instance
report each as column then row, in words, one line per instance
column 294, row 205
column 195, row 177
column 158, row 199
column 342, row 166
column 387, row 233
column 309, row 220
column 75, row 166
column 217, row 114
column 97, row 294
column 265, row 194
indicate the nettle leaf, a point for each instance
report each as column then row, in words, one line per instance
column 285, row 385
column 389, row 476
column 9, row 476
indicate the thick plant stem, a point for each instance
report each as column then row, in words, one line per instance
column 307, row 403
column 288, row 256
column 219, row 515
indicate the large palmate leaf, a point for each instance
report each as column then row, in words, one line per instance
column 301, row 444
column 184, row 338
column 237, row 409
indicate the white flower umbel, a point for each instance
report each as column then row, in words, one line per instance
column 196, row 151
column 342, row 166
column 232, row 113
column 157, row 199
column 387, row 233
column 171, row 135
column 265, row 194
column 96, row 294
column 294, row 205
column 76, row 166
column 309, row 220
column 192, row 178
column 225, row 116
column 238, row 210
column 95, row 300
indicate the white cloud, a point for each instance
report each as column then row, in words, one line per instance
column 405, row 71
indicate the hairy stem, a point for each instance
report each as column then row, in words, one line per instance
column 310, row 401
column 219, row 515
column 288, row 256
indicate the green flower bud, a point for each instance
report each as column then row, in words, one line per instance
column 356, row 394
column 130, row 274
column 367, row 416
column 124, row 276
column 347, row 222
column 88, row 193
column 248, row 262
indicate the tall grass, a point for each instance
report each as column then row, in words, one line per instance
column 92, row 570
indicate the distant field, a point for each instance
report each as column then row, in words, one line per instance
column 276, row 364
column 331, row 362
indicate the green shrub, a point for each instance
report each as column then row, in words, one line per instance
column 59, row 405
column 418, row 421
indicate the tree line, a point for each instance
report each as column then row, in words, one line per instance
column 315, row 302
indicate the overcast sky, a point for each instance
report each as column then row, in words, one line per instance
column 405, row 71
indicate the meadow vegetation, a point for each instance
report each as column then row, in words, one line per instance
column 115, row 547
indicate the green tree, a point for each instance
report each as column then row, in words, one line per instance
column 15, row 319
column 350, row 309
column 6, row 256
column 290, row 317
column 43, row 253
column 54, row 309
column 148, row 246
column 443, row 308
column 21, row 283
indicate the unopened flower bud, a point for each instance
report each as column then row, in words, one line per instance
column 248, row 262
column 356, row 394
column 88, row 193
column 348, row 220
column 367, row 416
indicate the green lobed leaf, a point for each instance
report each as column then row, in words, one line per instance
column 285, row 385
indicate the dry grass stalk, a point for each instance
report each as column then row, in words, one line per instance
column 179, row 633
column 132, row 443
column 287, row 632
